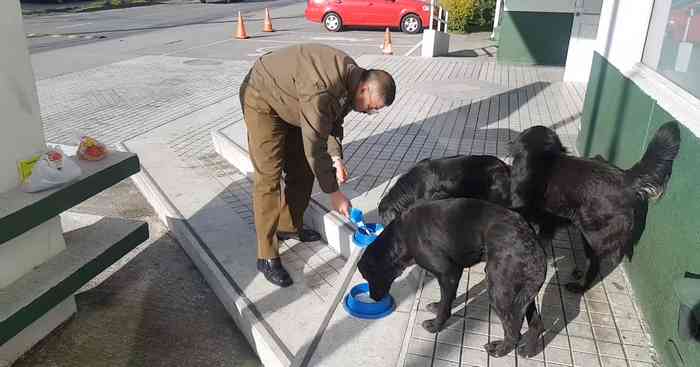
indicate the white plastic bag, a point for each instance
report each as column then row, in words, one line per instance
column 47, row 170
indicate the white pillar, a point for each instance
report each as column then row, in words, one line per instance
column 497, row 17
column 22, row 135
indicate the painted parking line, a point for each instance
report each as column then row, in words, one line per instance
column 73, row 25
column 348, row 39
column 196, row 47
column 372, row 45
column 413, row 49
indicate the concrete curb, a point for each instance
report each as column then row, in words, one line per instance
column 265, row 345
column 336, row 230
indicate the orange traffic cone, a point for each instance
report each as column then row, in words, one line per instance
column 387, row 49
column 268, row 22
column 240, row 32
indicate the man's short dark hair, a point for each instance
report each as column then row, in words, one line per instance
column 386, row 87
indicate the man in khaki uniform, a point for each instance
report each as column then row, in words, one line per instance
column 294, row 101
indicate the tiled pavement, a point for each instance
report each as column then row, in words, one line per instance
column 440, row 112
column 602, row 328
column 444, row 107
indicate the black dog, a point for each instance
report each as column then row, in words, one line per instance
column 444, row 237
column 482, row 177
column 477, row 176
column 605, row 202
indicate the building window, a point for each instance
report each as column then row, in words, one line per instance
column 673, row 43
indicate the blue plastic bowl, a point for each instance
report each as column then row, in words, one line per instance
column 367, row 310
column 363, row 238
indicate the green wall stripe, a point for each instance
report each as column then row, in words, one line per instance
column 618, row 122
column 523, row 39
column 65, row 198
column 52, row 297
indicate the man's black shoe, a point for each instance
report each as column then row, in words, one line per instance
column 305, row 235
column 274, row 272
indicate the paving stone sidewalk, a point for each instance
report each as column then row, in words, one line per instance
column 444, row 107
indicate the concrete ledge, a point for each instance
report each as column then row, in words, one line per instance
column 277, row 322
column 232, row 297
column 20, row 211
column 14, row 348
column 336, row 231
column 89, row 251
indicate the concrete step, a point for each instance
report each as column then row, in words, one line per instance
column 45, row 293
column 231, row 143
column 20, row 211
column 207, row 205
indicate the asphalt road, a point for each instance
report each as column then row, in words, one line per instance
column 54, row 31
column 181, row 30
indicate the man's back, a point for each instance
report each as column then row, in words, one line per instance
column 287, row 76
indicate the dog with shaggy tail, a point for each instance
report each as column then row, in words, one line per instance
column 607, row 204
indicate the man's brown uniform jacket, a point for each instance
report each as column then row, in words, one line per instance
column 310, row 86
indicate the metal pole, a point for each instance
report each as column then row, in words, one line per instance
column 447, row 17
column 687, row 25
column 496, row 18
column 439, row 18
column 432, row 10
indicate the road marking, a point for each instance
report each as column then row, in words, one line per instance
column 195, row 47
column 263, row 50
column 74, row 25
column 372, row 45
column 349, row 39
column 413, row 48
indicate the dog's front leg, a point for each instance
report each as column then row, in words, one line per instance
column 591, row 272
column 448, row 291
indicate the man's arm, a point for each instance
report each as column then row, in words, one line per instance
column 335, row 142
column 318, row 115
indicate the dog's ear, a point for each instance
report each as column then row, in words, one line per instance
column 399, row 257
column 387, row 253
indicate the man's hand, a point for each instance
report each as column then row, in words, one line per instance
column 340, row 203
column 341, row 172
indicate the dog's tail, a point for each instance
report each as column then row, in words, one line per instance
column 648, row 178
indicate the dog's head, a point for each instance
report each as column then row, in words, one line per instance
column 537, row 142
column 532, row 152
column 387, row 209
column 402, row 194
column 383, row 261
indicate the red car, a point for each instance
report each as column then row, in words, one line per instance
column 684, row 22
column 409, row 15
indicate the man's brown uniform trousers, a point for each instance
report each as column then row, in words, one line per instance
column 294, row 101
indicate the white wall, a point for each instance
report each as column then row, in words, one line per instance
column 626, row 26
column 623, row 29
column 21, row 134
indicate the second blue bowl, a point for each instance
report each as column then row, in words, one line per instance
column 363, row 238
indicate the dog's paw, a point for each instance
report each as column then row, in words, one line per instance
column 575, row 288
column 433, row 307
column 433, row 326
column 577, row 274
column 498, row 348
column 529, row 349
